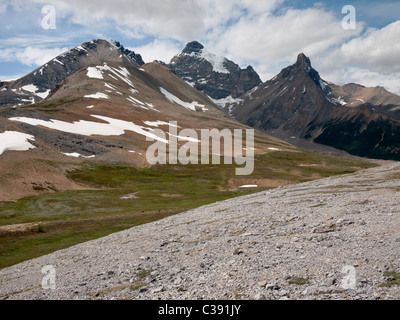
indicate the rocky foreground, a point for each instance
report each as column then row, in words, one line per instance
column 336, row 238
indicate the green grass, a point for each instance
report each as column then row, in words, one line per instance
column 394, row 282
column 299, row 281
column 71, row 217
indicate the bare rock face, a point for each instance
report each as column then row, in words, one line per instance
column 298, row 105
column 216, row 76
column 290, row 103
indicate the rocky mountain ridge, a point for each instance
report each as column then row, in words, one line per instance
column 218, row 77
column 299, row 104
column 37, row 85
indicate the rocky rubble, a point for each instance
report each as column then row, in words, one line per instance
column 336, row 238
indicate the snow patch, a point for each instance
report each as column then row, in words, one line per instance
column 122, row 73
column 17, row 141
column 43, row 95
column 282, row 91
column 80, row 48
column 230, row 101
column 98, row 95
column 31, row 100
column 217, row 62
column 134, row 91
column 77, row 155
column 340, row 101
column 58, row 61
column 323, row 84
column 132, row 99
column 250, row 93
column 112, row 127
column 159, row 123
column 30, row 88
column 94, row 73
column 190, row 106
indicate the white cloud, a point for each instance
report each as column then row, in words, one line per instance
column 10, row 77
column 3, row 8
column 174, row 19
column 166, row 18
column 378, row 50
column 133, row 32
column 371, row 59
column 270, row 42
column 366, row 77
column 267, row 34
column 163, row 50
column 32, row 49
column 282, row 37
column 30, row 55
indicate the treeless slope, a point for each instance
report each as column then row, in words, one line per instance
column 296, row 242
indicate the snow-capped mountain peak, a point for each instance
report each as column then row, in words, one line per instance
column 216, row 76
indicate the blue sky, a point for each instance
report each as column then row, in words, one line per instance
column 268, row 34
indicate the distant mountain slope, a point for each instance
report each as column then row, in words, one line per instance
column 37, row 85
column 352, row 95
column 298, row 104
column 216, row 76
column 105, row 111
column 289, row 104
column 362, row 132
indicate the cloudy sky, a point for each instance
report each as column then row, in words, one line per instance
column 268, row 34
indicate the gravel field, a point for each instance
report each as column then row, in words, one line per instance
column 336, row 238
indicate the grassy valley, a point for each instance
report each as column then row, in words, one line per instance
column 119, row 196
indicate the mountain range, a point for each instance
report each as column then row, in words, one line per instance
column 75, row 132
column 218, row 77
column 297, row 105
column 97, row 101
column 101, row 101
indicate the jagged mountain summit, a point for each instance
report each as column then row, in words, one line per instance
column 38, row 84
column 218, row 77
column 289, row 103
column 298, row 105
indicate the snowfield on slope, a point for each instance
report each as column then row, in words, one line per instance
column 113, row 127
column 17, row 141
column 190, row 106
